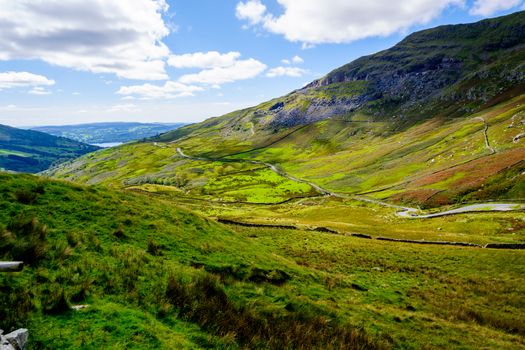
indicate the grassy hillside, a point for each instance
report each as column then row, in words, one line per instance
column 108, row 132
column 32, row 151
column 436, row 120
column 438, row 162
column 154, row 275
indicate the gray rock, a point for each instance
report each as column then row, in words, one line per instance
column 5, row 345
column 18, row 338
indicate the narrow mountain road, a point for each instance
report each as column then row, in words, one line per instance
column 473, row 208
column 404, row 212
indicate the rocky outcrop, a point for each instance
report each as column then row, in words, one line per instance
column 318, row 109
column 15, row 340
column 448, row 63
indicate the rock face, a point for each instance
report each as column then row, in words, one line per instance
column 472, row 62
column 15, row 340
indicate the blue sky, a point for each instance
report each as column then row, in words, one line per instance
column 77, row 61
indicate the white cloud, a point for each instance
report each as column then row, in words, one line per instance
column 170, row 89
column 286, row 71
column 239, row 70
column 211, row 59
column 252, row 11
column 297, row 60
column 10, row 80
column 39, row 91
column 490, row 7
column 123, row 37
column 128, row 107
column 76, row 93
column 340, row 21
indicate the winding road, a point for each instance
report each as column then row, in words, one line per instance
column 404, row 212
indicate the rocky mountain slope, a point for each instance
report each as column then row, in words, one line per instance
column 460, row 68
column 33, row 151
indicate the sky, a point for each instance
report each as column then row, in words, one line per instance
column 82, row 61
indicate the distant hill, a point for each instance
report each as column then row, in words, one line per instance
column 96, row 133
column 33, row 151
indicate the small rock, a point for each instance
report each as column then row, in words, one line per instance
column 79, row 307
column 376, row 268
column 18, row 338
column 5, row 345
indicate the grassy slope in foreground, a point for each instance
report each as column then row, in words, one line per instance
column 153, row 275
column 156, row 276
column 32, row 151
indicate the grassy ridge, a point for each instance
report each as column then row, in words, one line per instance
column 32, row 151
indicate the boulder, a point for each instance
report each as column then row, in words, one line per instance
column 15, row 340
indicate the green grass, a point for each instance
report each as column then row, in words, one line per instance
column 144, row 266
column 118, row 251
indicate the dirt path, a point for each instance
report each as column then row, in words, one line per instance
column 486, row 135
column 404, row 212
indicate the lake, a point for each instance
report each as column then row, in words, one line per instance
column 108, row 144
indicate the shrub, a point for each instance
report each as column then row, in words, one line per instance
column 119, row 233
column 154, row 248
column 24, row 239
column 55, row 302
column 15, row 306
column 25, row 196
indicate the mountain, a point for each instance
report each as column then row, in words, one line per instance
column 437, row 119
column 453, row 70
column 33, row 151
column 97, row 133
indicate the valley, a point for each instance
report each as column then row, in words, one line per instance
column 381, row 206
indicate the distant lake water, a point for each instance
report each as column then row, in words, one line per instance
column 108, row 144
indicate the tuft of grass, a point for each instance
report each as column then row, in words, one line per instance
column 205, row 302
column 24, row 239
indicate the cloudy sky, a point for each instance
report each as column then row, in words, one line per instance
column 74, row 61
